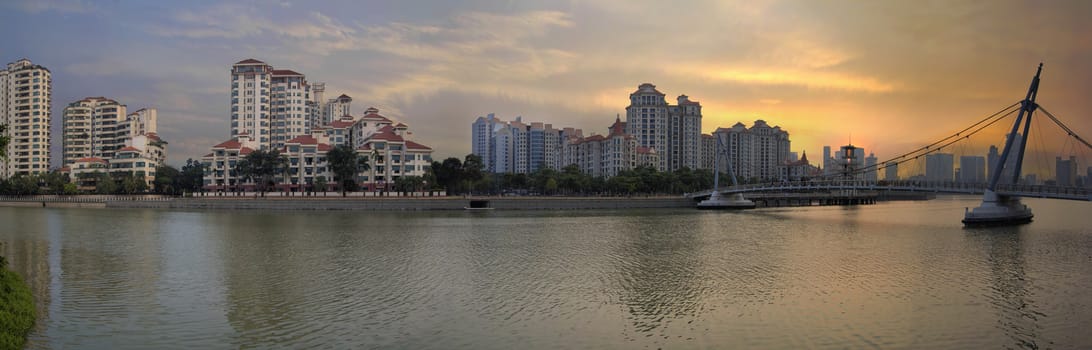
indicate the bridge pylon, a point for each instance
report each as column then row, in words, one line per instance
column 999, row 209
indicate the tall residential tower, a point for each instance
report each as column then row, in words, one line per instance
column 26, row 90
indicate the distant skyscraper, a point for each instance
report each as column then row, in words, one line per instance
column 1066, row 171
column 939, row 167
column 991, row 160
column 972, row 169
column 26, row 90
column 871, row 174
column 337, row 108
column 826, row 162
column 891, row 171
column 674, row 131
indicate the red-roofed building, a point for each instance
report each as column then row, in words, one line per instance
column 219, row 164
column 306, row 163
column 599, row 155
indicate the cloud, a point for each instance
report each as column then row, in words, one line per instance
column 63, row 6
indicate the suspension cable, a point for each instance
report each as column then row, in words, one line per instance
column 1066, row 128
column 947, row 141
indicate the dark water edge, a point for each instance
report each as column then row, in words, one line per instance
column 890, row 275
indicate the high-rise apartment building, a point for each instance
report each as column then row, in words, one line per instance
column 891, row 171
column 939, row 167
column 268, row 104
column 316, row 105
column 606, row 156
column 1066, row 171
column 518, row 147
column 708, row 151
column 26, row 90
column 99, row 127
column 673, row 130
column 754, row 152
column 972, row 169
column 337, row 107
column 871, row 173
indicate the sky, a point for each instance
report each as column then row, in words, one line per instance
column 888, row 75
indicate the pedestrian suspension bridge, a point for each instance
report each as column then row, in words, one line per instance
column 1001, row 190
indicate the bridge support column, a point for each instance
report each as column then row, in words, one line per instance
column 998, row 210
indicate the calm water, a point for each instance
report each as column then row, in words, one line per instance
column 892, row 275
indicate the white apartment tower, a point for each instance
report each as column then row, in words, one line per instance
column 26, row 90
column 336, row 108
column 250, row 100
column 288, row 103
column 754, row 152
column 673, row 130
column 268, row 104
column 315, row 105
column 99, row 127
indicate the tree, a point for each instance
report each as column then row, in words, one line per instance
column 448, row 174
column 105, row 184
column 260, row 166
column 408, row 183
column 473, row 170
column 345, row 163
column 320, row 182
column 4, row 140
column 25, row 184
column 167, row 179
column 131, row 184
column 191, row 176
column 71, row 189
column 54, row 182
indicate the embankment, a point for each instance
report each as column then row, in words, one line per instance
column 445, row 203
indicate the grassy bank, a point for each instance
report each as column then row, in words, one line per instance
column 16, row 309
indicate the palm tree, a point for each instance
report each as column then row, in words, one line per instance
column 345, row 163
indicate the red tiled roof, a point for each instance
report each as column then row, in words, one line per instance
column 65, row 169
column 91, row 159
column 229, row 144
column 153, row 136
column 374, row 116
column 128, row 149
column 400, row 125
column 414, row 145
column 285, row 72
column 303, row 140
column 245, row 151
column 341, row 124
column 387, row 134
column 249, row 61
column 322, row 147
column 365, row 147
column 344, row 97
column 645, row 150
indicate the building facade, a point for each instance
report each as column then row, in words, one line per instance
column 673, row 130
column 26, row 92
column 755, row 152
column 518, row 147
column 972, row 169
column 939, row 167
column 270, row 105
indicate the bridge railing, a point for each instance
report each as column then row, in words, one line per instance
column 1043, row 189
column 906, row 185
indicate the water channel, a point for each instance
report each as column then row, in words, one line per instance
column 890, row 275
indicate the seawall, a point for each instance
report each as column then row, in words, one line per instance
column 447, row 203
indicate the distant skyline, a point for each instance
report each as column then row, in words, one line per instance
column 903, row 73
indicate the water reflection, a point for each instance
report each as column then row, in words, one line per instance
column 1010, row 291
column 659, row 269
column 826, row 277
